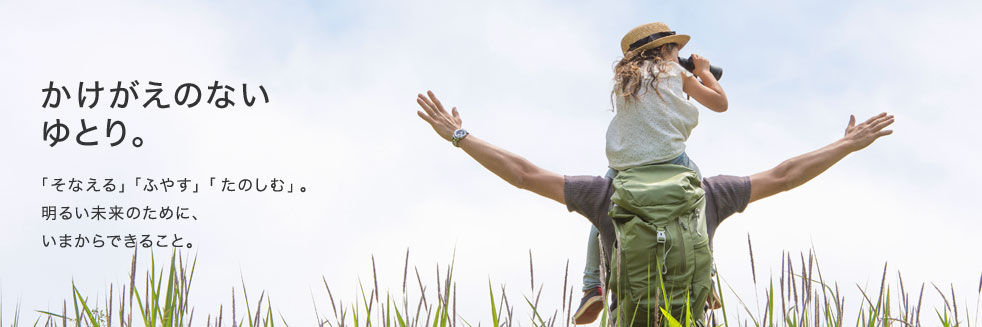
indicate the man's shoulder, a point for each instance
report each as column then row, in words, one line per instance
column 586, row 179
column 584, row 192
column 723, row 181
column 586, row 183
column 726, row 194
column 590, row 195
column 714, row 186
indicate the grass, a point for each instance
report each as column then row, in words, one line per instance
column 800, row 297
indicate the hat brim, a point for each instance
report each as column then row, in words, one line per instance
column 680, row 39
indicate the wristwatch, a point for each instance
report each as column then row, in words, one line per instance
column 458, row 135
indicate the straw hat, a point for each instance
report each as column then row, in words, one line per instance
column 651, row 35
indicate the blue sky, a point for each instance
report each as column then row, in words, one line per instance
column 530, row 76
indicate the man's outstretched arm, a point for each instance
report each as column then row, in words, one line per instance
column 796, row 171
column 512, row 168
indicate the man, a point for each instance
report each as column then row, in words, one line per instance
column 590, row 195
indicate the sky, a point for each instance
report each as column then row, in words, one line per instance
column 533, row 77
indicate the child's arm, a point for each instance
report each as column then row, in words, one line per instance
column 708, row 93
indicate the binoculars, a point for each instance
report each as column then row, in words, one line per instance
column 690, row 66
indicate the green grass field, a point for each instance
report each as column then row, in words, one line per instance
column 798, row 297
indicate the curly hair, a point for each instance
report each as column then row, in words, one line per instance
column 628, row 76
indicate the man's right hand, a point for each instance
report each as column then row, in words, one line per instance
column 796, row 171
column 860, row 136
column 442, row 122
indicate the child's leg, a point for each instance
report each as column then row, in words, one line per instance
column 591, row 271
column 592, row 302
column 683, row 160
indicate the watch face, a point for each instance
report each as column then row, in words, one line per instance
column 459, row 133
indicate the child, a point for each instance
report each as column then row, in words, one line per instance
column 653, row 120
column 653, row 117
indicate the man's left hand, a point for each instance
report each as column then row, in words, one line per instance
column 442, row 122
